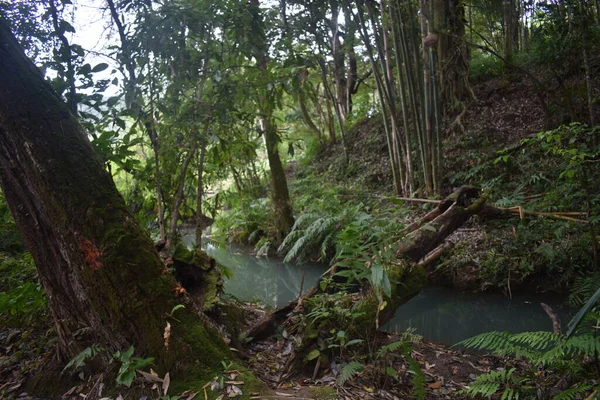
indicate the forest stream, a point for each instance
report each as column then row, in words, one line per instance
column 440, row 315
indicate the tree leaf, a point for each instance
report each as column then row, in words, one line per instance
column 312, row 355
column 377, row 275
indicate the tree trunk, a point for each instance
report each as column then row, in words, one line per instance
column 104, row 279
column 179, row 197
column 201, row 219
column 449, row 18
column 507, row 10
column 284, row 219
column 339, row 70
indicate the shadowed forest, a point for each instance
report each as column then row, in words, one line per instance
column 299, row 199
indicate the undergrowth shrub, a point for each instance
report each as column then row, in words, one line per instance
column 22, row 298
column 246, row 225
column 553, row 360
column 553, row 172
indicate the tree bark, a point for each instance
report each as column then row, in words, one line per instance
column 449, row 17
column 508, row 13
column 179, row 197
column 284, row 219
column 201, row 219
column 104, row 280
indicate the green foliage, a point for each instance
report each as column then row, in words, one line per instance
column 578, row 391
column 549, row 173
column 246, row 225
column 10, row 237
column 402, row 349
column 129, row 365
column 583, row 288
column 82, row 358
column 348, row 371
column 22, row 298
column 583, row 312
column 127, row 370
column 547, row 350
column 484, row 65
column 544, row 349
column 503, row 381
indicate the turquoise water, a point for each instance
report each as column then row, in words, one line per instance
column 438, row 314
column 446, row 316
column 266, row 280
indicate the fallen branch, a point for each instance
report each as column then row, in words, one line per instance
column 436, row 254
column 521, row 212
column 555, row 322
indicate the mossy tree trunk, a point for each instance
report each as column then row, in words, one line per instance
column 104, row 279
column 283, row 217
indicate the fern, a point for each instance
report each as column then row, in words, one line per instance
column 390, row 348
column 318, row 232
column 348, row 371
column 418, row 379
column 573, row 393
column 493, row 382
column 583, row 288
column 80, row 359
column 538, row 347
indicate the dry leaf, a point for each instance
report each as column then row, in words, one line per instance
column 435, row 385
column 166, row 383
column 428, row 366
column 189, row 395
column 167, row 334
column 149, row 377
column 234, row 391
column 233, row 375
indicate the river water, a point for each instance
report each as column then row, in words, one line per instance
column 438, row 314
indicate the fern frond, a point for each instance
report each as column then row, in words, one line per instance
column 348, row 371
column 390, row 348
column 327, row 244
column 583, row 288
column 295, row 250
column 541, row 340
column 418, row 380
column 289, row 239
column 573, row 393
column 490, row 341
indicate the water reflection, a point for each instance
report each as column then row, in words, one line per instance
column 268, row 281
column 445, row 316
